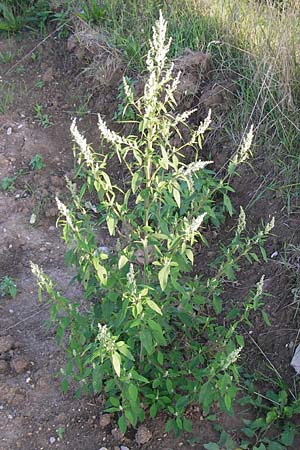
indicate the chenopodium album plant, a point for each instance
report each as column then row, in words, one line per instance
column 150, row 334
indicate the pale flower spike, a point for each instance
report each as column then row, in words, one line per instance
column 196, row 222
column 244, row 151
column 195, row 167
column 242, row 221
column 82, row 143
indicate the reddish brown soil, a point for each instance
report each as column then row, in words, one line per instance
column 32, row 406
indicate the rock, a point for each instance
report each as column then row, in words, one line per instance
column 6, row 343
column 52, row 440
column 143, row 435
column 103, row 448
column 57, row 181
column 72, row 43
column 48, row 75
column 19, row 364
column 104, row 420
column 117, row 435
column 123, row 447
column 3, row 366
column 9, row 131
column 216, row 96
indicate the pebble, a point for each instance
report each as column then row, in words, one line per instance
column 103, row 448
column 123, row 447
column 6, row 343
column 104, row 420
column 19, row 365
column 143, row 435
column 9, row 131
column 3, row 366
column 52, row 440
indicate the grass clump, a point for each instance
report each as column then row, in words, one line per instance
column 150, row 334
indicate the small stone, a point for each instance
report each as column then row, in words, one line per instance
column 143, row 435
column 48, row 75
column 52, row 440
column 6, row 343
column 123, row 447
column 3, row 366
column 117, row 434
column 57, row 181
column 51, row 228
column 9, row 131
column 19, row 365
column 105, row 420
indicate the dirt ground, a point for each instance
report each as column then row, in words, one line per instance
column 34, row 413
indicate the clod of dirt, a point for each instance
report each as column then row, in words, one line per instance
column 48, row 76
column 104, row 420
column 143, row 435
column 6, row 343
column 19, row 364
column 117, row 435
column 3, row 366
column 216, row 96
column 195, row 68
column 105, row 64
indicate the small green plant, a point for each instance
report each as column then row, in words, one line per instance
column 151, row 336
column 42, row 118
column 8, row 183
column 6, row 57
column 60, row 433
column 8, row 287
column 37, row 162
column 6, row 96
column 92, row 11
column 124, row 112
column 40, row 84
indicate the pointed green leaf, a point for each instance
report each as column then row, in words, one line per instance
column 177, row 198
column 163, row 277
column 154, row 306
column 116, row 362
column 122, row 261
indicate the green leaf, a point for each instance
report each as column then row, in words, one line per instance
column 189, row 253
column 217, row 304
column 228, row 204
column 134, row 182
column 101, row 271
column 64, row 385
column 160, row 358
column 211, row 446
column 111, row 224
column 122, row 424
column 154, row 306
column 176, row 195
column 126, row 352
column 146, row 339
column 163, row 275
column 122, row 261
column 116, row 362
column 133, row 393
column 153, row 410
column 97, row 379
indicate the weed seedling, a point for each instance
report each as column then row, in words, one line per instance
column 6, row 57
column 40, row 84
column 8, row 183
column 8, row 287
column 37, row 162
column 42, row 118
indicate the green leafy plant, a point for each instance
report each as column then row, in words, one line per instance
column 6, row 57
column 8, row 287
column 37, row 162
column 151, row 335
column 92, row 11
column 42, row 118
column 17, row 14
column 7, row 183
